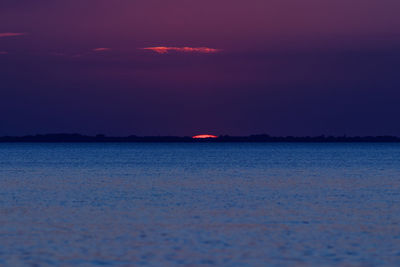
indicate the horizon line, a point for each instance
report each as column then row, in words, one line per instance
column 260, row 138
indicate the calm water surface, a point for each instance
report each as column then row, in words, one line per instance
column 200, row 204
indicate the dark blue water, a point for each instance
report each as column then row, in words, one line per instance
column 200, row 204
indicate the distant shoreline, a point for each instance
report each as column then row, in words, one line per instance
column 78, row 138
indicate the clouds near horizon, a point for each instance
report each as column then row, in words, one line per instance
column 11, row 34
column 186, row 49
column 101, row 49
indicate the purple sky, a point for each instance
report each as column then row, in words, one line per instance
column 283, row 67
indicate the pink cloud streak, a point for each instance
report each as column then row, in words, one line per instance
column 3, row 52
column 101, row 49
column 186, row 49
column 11, row 34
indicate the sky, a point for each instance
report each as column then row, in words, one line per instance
column 187, row 67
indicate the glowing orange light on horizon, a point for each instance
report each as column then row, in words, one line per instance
column 203, row 136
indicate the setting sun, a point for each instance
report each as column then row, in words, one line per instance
column 203, row 136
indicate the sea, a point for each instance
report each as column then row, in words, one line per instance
column 199, row 204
